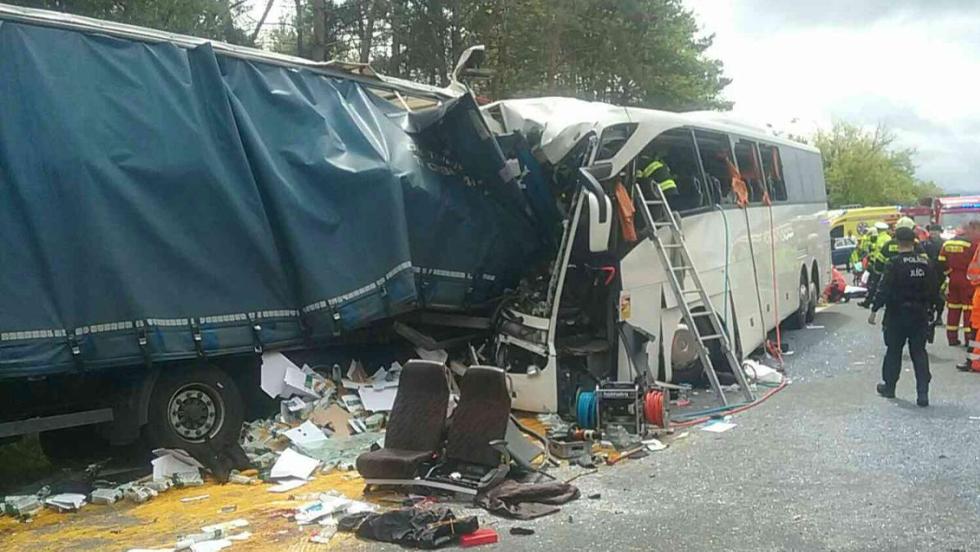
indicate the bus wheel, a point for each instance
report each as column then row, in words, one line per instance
column 811, row 309
column 798, row 319
column 194, row 405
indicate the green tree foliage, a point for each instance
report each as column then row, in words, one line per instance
column 866, row 167
column 216, row 19
column 633, row 52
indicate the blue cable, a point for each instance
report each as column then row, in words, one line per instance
column 585, row 409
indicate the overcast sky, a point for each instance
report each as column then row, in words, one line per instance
column 911, row 64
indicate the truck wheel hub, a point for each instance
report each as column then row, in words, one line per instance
column 195, row 412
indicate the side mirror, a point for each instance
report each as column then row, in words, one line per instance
column 600, row 212
column 468, row 67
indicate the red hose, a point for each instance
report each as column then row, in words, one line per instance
column 742, row 408
column 653, row 408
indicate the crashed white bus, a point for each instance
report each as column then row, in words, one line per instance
column 761, row 264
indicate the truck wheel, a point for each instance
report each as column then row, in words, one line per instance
column 798, row 319
column 192, row 405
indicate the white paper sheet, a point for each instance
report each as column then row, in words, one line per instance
column 307, row 435
column 282, row 378
column 718, row 427
column 287, row 485
column 378, row 398
column 169, row 463
column 292, row 464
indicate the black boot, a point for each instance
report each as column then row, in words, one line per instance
column 885, row 391
column 922, row 399
column 964, row 366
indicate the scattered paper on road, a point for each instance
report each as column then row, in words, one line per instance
column 306, row 435
column 171, row 462
column 719, row 426
column 287, row 485
column 292, row 464
column 653, row 445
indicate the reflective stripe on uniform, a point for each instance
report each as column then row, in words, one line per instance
column 952, row 328
column 667, row 185
column 954, row 306
column 650, row 169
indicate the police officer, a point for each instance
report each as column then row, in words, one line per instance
column 909, row 293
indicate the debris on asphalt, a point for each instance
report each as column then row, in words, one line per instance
column 65, row 502
column 414, row 527
column 718, row 425
column 479, row 538
column 654, row 445
column 198, row 498
column 105, row 496
column 521, row 531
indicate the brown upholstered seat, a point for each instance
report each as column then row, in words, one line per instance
column 415, row 425
column 481, row 417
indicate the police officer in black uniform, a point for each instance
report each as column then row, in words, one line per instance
column 909, row 291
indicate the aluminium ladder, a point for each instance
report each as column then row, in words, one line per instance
column 693, row 295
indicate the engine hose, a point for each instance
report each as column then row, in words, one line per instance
column 653, row 408
column 585, row 409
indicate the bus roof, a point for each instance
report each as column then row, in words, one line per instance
column 399, row 91
column 563, row 122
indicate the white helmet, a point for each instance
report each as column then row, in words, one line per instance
column 905, row 222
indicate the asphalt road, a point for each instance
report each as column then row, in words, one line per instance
column 824, row 465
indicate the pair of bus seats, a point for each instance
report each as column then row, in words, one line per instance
column 465, row 452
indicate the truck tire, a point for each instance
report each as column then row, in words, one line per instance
column 193, row 405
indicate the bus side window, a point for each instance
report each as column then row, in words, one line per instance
column 676, row 149
column 748, row 166
column 716, row 157
column 772, row 167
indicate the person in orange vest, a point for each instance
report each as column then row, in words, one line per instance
column 972, row 363
column 954, row 259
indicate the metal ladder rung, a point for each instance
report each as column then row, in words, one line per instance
column 682, row 267
column 653, row 202
column 671, row 245
column 700, row 313
column 662, row 224
column 712, row 336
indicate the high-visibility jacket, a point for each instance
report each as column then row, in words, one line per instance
column 657, row 171
column 876, row 254
column 862, row 249
column 954, row 258
column 889, row 250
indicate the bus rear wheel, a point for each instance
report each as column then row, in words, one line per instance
column 798, row 319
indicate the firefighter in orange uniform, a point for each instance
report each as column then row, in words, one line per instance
column 954, row 259
column 972, row 363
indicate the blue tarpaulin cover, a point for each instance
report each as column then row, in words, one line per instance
column 159, row 202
